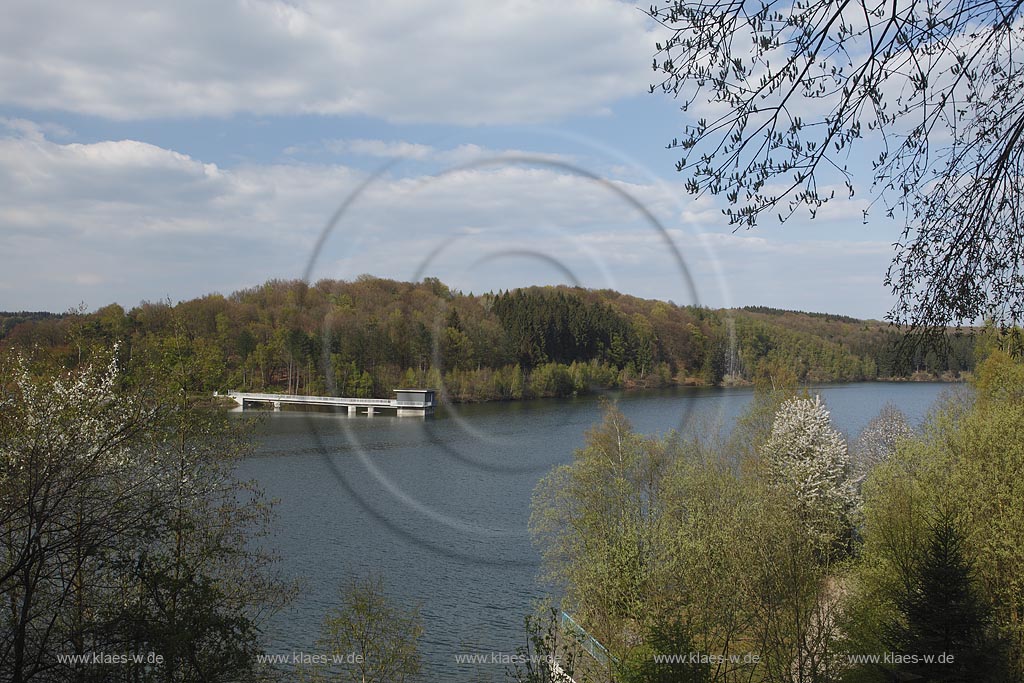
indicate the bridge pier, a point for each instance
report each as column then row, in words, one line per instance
column 277, row 406
column 351, row 410
column 369, row 411
column 412, row 412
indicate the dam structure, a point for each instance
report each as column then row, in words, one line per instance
column 407, row 402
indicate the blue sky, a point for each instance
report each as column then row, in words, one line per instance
column 171, row 150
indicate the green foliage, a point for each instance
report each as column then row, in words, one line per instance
column 940, row 613
column 678, row 546
column 755, row 544
column 759, row 543
column 191, row 619
column 754, row 426
column 10, row 320
column 667, row 637
column 969, row 458
column 551, row 379
column 596, row 519
column 367, row 337
column 558, row 326
column 1000, row 379
column 122, row 528
column 548, row 656
column 378, row 640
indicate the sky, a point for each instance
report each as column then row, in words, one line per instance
column 163, row 151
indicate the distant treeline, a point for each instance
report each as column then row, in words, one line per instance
column 9, row 320
column 369, row 336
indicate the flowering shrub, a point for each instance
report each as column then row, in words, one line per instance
column 879, row 440
column 806, row 457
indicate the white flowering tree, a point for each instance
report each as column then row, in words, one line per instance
column 879, row 441
column 71, row 485
column 122, row 527
column 806, row 457
column 805, row 462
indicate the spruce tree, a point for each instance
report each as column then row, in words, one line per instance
column 942, row 618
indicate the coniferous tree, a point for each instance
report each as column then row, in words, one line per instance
column 942, row 630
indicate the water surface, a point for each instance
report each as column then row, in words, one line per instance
column 439, row 507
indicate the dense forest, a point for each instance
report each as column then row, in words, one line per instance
column 369, row 336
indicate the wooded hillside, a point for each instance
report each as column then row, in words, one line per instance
column 366, row 337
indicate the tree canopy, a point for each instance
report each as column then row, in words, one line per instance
column 123, row 528
column 787, row 95
column 367, row 337
column 757, row 550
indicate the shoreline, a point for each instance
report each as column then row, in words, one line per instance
column 229, row 404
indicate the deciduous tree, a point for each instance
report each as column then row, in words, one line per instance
column 806, row 458
column 374, row 639
column 783, row 95
column 596, row 520
column 878, row 441
column 122, row 528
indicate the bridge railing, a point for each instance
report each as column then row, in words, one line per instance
column 321, row 400
column 590, row 644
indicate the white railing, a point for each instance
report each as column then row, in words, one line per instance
column 317, row 400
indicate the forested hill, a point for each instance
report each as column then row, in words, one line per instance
column 366, row 337
column 10, row 320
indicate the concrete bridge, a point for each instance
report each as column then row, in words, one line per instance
column 415, row 402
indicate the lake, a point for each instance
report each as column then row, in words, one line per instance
column 439, row 507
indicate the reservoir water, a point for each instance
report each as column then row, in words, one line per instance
column 438, row 508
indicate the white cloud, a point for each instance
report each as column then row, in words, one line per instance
column 459, row 155
column 456, row 61
column 89, row 279
column 380, row 148
column 125, row 220
column 33, row 129
column 475, row 154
